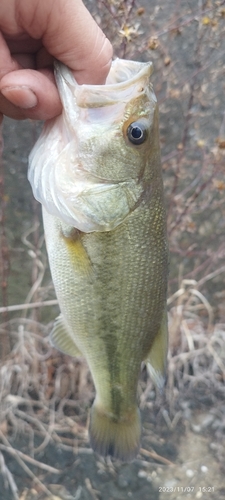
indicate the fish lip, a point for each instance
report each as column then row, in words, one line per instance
column 140, row 68
column 131, row 73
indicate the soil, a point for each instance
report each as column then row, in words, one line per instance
column 194, row 470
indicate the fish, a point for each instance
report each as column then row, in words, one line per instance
column 96, row 170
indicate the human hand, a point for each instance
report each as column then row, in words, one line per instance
column 32, row 33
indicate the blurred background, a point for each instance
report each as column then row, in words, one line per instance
column 45, row 396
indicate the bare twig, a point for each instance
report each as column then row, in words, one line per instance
column 155, row 456
column 40, row 465
column 94, row 493
column 20, row 461
column 21, row 307
column 8, row 477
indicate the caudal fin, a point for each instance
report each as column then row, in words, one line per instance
column 119, row 438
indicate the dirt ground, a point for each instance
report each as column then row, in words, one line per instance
column 176, row 463
column 45, row 397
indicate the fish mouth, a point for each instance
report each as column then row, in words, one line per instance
column 124, row 78
column 124, row 71
column 121, row 72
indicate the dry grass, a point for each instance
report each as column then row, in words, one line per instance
column 42, row 393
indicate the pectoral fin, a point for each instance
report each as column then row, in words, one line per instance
column 156, row 359
column 61, row 339
column 77, row 253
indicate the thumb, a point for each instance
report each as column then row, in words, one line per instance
column 70, row 34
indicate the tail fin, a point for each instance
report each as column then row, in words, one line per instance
column 119, row 438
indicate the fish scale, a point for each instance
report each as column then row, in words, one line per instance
column 105, row 227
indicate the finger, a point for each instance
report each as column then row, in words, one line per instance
column 29, row 94
column 7, row 63
column 25, row 60
column 26, row 94
column 71, row 35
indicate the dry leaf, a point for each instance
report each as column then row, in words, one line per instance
column 153, row 43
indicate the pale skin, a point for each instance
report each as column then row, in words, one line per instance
column 32, row 33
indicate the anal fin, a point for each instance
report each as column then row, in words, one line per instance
column 157, row 357
column 61, row 339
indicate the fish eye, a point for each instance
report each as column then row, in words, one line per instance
column 137, row 132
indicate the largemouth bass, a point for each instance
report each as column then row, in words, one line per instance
column 96, row 170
